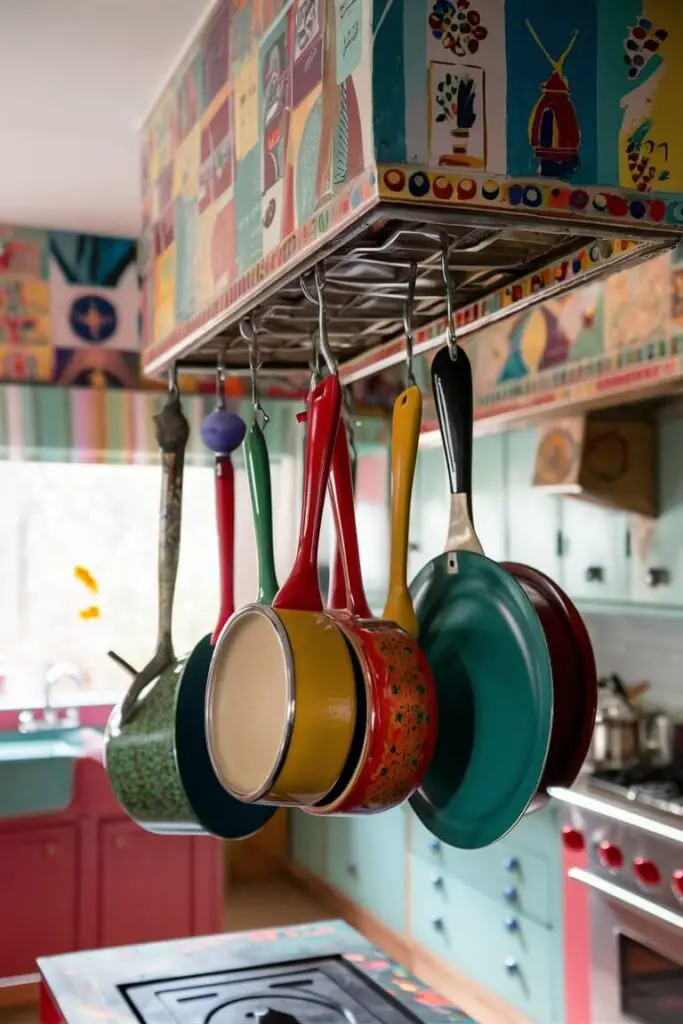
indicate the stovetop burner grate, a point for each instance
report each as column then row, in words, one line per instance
column 661, row 788
column 328, row 990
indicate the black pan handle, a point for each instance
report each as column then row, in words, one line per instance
column 453, row 395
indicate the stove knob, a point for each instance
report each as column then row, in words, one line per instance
column 610, row 856
column 646, row 871
column 572, row 838
column 677, row 884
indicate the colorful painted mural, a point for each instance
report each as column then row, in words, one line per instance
column 289, row 119
column 619, row 334
column 69, row 308
column 261, row 128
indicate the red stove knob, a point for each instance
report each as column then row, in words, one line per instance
column 677, row 884
column 646, row 871
column 610, row 856
column 572, row 838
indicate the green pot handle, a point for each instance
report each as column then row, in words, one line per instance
column 258, row 475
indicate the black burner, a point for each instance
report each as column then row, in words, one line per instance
column 325, row 991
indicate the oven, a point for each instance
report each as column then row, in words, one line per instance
column 636, row 955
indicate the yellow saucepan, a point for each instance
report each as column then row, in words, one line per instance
column 282, row 694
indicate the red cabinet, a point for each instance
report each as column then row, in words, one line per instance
column 135, row 872
column 38, row 896
column 89, row 877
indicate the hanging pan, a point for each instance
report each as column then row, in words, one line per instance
column 575, row 682
column 156, row 756
column 279, row 729
column 393, row 748
column 487, row 650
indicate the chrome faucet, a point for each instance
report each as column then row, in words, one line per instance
column 54, row 675
column 51, row 719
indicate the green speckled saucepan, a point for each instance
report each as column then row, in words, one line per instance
column 486, row 648
column 156, row 753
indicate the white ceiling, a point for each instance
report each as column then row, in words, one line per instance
column 77, row 78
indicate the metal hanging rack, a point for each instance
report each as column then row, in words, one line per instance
column 368, row 278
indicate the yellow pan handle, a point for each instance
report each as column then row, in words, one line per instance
column 405, row 434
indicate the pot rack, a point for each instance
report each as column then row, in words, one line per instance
column 368, row 271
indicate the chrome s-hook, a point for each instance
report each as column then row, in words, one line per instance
column 220, row 386
column 173, row 381
column 408, row 306
column 248, row 332
column 323, row 336
column 451, row 336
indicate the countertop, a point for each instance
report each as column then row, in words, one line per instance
column 84, row 986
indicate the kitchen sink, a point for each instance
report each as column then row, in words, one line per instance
column 37, row 770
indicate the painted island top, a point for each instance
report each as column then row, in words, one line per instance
column 84, row 986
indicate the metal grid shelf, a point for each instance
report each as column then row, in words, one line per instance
column 368, row 273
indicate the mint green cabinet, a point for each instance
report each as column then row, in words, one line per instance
column 489, row 500
column 366, row 862
column 506, row 953
column 656, row 566
column 431, row 503
column 534, row 520
column 595, row 564
column 308, row 842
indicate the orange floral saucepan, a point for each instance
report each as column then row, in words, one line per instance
column 397, row 721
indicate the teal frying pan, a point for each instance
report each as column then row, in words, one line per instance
column 258, row 475
column 486, row 648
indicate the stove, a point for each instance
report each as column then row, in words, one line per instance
column 328, row 990
column 623, row 832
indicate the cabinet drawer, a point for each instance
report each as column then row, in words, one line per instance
column 505, row 871
column 308, row 841
column 515, row 958
column 366, row 862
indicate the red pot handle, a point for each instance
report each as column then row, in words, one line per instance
column 225, row 523
column 301, row 590
column 343, row 510
column 336, row 598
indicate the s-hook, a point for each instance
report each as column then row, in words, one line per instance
column 408, row 307
column 319, row 300
column 248, row 332
column 173, row 381
column 451, row 337
column 219, row 404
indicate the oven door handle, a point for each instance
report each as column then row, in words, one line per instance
column 629, row 899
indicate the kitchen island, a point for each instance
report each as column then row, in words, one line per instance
column 269, row 975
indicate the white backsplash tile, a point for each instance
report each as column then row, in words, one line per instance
column 642, row 648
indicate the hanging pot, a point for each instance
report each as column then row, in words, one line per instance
column 279, row 730
column 396, row 735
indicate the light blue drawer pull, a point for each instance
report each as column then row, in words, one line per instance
column 437, row 881
column 352, row 869
column 438, row 923
column 511, row 965
column 510, row 894
column 512, row 864
column 511, row 924
column 435, row 845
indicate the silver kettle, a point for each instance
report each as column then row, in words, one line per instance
column 616, row 736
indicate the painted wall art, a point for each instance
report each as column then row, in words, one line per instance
column 69, row 309
column 280, row 91
column 296, row 116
